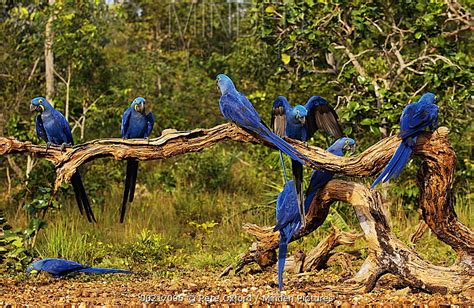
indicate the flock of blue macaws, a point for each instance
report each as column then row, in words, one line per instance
column 299, row 122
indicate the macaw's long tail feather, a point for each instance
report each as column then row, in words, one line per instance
column 132, row 167
column 297, row 169
column 286, row 234
column 133, row 180
column 81, row 196
column 283, row 247
column 77, row 195
column 396, row 163
column 284, row 146
column 98, row 270
column 282, row 161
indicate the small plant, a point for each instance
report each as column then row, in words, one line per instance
column 149, row 248
column 203, row 230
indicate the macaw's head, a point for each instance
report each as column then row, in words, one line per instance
column 138, row 104
column 40, row 104
column 317, row 100
column 429, row 97
column 343, row 144
column 300, row 113
column 34, row 267
column 224, row 84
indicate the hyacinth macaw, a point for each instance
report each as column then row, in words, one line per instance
column 61, row 267
column 301, row 122
column 135, row 124
column 52, row 127
column 237, row 108
column 415, row 118
column 287, row 211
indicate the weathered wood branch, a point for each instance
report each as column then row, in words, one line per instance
column 435, row 176
column 387, row 254
column 317, row 257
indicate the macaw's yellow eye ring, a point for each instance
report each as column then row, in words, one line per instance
column 40, row 101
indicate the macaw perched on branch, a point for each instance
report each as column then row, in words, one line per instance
column 52, row 127
column 301, row 122
column 135, row 124
column 60, row 267
column 415, row 118
column 237, row 108
column 287, row 211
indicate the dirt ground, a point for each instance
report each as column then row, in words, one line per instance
column 206, row 288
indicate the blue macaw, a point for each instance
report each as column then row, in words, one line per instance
column 287, row 211
column 52, row 127
column 237, row 108
column 135, row 124
column 416, row 117
column 301, row 122
column 60, row 267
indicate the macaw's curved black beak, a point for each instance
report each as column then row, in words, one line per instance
column 33, row 108
column 302, row 120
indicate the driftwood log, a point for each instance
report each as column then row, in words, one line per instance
column 435, row 179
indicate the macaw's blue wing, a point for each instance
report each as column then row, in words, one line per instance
column 150, row 120
column 40, row 131
column 62, row 131
column 321, row 116
column 416, row 118
column 126, row 121
column 235, row 111
column 280, row 107
column 56, row 267
column 288, row 223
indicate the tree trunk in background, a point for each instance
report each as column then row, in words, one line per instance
column 2, row 124
column 48, row 55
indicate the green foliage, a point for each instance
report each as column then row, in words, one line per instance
column 14, row 252
column 149, row 247
column 208, row 170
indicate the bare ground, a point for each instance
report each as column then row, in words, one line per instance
column 205, row 288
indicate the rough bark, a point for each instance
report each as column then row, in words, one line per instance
column 419, row 231
column 317, row 257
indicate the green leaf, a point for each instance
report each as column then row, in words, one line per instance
column 286, row 58
column 361, row 79
column 270, row 9
column 418, row 35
